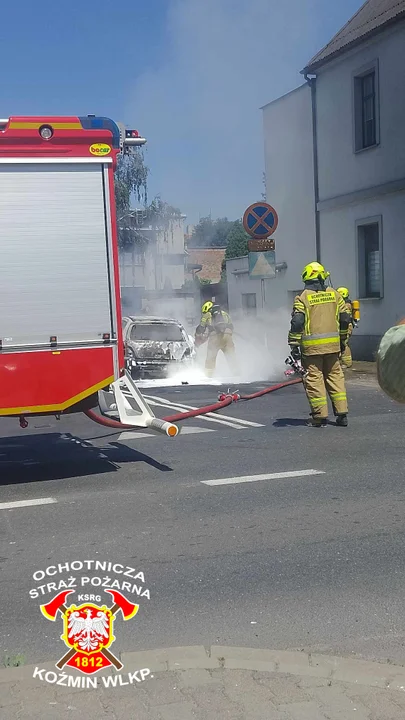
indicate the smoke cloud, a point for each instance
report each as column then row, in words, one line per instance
column 199, row 107
column 260, row 345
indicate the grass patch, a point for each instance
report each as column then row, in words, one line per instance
column 10, row 661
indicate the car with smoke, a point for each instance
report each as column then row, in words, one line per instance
column 154, row 345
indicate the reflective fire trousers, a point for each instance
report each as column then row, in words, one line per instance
column 325, row 377
column 346, row 359
column 217, row 342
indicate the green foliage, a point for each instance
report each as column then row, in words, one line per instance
column 237, row 241
column 10, row 661
column 131, row 176
column 130, row 179
column 237, row 245
column 210, row 233
column 159, row 213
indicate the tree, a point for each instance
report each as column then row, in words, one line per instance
column 237, row 241
column 202, row 233
column 237, row 245
column 130, row 179
column 222, row 226
column 159, row 213
column 210, row 233
column 131, row 176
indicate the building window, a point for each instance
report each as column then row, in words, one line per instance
column 366, row 109
column 249, row 303
column 370, row 259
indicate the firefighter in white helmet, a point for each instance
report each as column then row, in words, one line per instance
column 318, row 333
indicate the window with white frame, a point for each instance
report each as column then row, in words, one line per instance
column 366, row 102
column 369, row 252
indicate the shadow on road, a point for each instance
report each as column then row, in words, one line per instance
column 289, row 422
column 57, row 456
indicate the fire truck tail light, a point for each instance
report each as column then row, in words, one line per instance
column 46, row 132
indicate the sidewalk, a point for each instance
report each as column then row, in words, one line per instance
column 367, row 368
column 220, row 683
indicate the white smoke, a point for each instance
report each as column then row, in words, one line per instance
column 199, row 105
column 261, row 349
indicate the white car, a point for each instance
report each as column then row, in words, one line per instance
column 155, row 344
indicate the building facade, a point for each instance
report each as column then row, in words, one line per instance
column 154, row 267
column 335, row 170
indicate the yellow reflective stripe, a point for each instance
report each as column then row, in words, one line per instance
column 338, row 396
column 317, row 402
column 299, row 305
column 306, row 324
column 35, row 125
column 321, row 341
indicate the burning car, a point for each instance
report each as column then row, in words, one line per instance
column 154, row 344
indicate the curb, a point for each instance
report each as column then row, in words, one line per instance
column 329, row 667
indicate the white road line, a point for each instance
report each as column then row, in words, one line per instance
column 134, row 435
column 234, row 420
column 193, row 430
column 189, row 430
column 267, row 476
column 27, row 503
column 182, row 408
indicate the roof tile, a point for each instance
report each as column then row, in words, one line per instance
column 368, row 20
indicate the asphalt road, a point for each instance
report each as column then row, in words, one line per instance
column 312, row 561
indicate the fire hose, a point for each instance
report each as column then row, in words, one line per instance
column 224, row 399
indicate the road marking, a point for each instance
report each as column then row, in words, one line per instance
column 193, row 430
column 182, row 408
column 134, row 435
column 233, row 420
column 189, row 430
column 27, row 503
column 267, row 476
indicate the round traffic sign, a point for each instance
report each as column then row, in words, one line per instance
column 260, row 220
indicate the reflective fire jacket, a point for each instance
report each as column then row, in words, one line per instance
column 219, row 322
column 319, row 321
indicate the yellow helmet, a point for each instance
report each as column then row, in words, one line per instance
column 344, row 292
column 314, row 271
column 207, row 307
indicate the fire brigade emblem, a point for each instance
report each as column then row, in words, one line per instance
column 88, row 630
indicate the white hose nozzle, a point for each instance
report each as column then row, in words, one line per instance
column 163, row 426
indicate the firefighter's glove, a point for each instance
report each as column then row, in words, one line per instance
column 295, row 352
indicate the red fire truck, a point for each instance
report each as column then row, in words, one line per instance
column 61, row 344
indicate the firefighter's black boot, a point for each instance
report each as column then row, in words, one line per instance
column 341, row 420
column 317, row 422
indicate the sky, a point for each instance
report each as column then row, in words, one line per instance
column 190, row 75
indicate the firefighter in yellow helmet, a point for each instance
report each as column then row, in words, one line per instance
column 347, row 360
column 216, row 326
column 318, row 332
